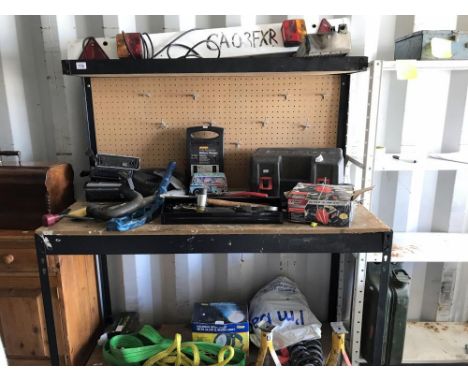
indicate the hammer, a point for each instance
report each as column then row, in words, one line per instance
column 230, row 203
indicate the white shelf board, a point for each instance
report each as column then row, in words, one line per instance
column 386, row 162
column 435, row 342
column 431, row 65
column 427, row 247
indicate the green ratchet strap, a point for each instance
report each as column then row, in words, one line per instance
column 148, row 347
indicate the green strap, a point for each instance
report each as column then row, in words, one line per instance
column 134, row 349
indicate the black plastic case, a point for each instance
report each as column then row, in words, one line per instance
column 276, row 170
column 221, row 215
column 205, row 154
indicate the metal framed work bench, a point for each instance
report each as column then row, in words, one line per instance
column 366, row 234
column 142, row 107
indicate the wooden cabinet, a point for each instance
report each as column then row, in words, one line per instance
column 74, row 297
column 22, row 322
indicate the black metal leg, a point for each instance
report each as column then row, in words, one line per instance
column 380, row 326
column 105, row 292
column 333, row 291
column 41, row 253
column 342, row 131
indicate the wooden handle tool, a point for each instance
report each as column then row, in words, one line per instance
column 361, row 191
column 230, row 203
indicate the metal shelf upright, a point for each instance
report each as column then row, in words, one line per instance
column 408, row 246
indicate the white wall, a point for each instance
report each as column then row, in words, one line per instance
column 42, row 114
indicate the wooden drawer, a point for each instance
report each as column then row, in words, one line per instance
column 17, row 260
column 18, row 253
column 13, row 260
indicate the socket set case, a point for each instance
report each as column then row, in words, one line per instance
column 324, row 204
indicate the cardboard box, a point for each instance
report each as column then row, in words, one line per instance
column 223, row 323
column 324, row 204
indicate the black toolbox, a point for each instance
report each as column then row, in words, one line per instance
column 220, row 215
column 276, row 170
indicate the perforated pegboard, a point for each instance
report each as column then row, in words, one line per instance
column 148, row 116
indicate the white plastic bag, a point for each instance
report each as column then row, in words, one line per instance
column 282, row 304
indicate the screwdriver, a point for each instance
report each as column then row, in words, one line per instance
column 51, row 219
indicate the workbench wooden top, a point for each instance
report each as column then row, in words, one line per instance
column 363, row 222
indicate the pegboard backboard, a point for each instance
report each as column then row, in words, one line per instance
column 148, row 116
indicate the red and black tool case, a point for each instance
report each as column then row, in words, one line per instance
column 30, row 190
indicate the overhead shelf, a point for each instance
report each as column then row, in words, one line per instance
column 239, row 65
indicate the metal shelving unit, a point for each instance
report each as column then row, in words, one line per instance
column 366, row 160
column 407, row 246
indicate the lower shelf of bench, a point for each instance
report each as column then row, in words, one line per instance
column 169, row 330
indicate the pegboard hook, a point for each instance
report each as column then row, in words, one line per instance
column 194, row 95
column 322, row 95
column 163, row 125
column 307, row 125
column 284, row 95
column 144, row 94
column 208, row 124
column 237, row 144
column 263, row 122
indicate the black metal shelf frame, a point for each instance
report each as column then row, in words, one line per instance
column 108, row 245
column 105, row 245
column 256, row 64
